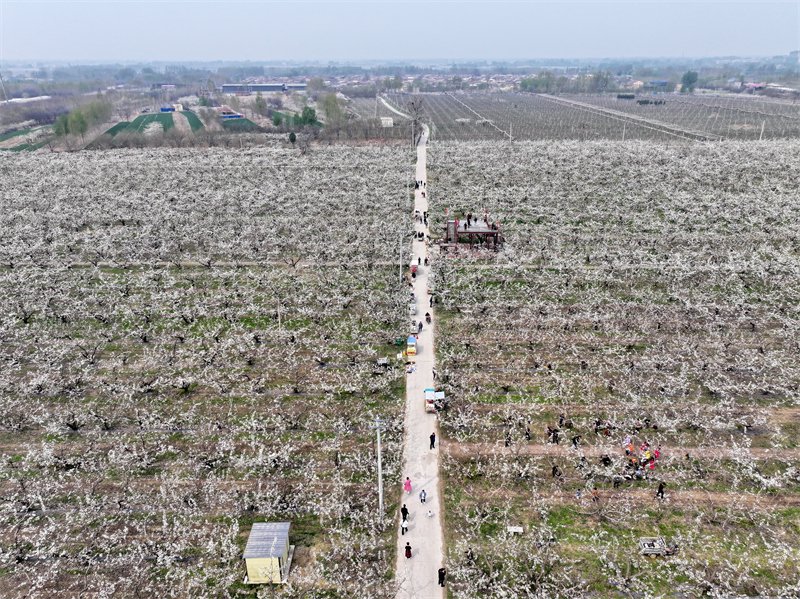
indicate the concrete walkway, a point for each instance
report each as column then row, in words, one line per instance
column 417, row 577
column 405, row 116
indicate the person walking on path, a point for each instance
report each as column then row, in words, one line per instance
column 442, row 575
column 433, row 440
column 660, row 492
column 407, row 485
column 404, row 526
column 422, row 496
column 408, row 550
column 404, row 512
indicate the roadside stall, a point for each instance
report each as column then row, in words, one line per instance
column 433, row 400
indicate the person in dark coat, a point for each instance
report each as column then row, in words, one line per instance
column 442, row 575
column 404, row 512
column 660, row 492
column 433, row 440
column 408, row 550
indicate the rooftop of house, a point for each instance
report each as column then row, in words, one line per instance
column 267, row 539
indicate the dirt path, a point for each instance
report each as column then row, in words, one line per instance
column 181, row 123
column 673, row 497
column 480, row 116
column 416, row 577
column 462, row 450
column 405, row 116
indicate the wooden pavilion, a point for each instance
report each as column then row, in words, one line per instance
column 477, row 231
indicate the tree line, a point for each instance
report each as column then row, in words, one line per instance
column 547, row 82
column 80, row 120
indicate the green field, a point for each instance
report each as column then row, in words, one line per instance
column 25, row 145
column 11, row 134
column 194, row 122
column 140, row 123
column 121, row 126
column 241, row 126
column 30, row 147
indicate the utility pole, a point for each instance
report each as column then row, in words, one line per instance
column 378, row 425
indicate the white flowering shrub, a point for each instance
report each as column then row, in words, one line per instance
column 188, row 344
column 644, row 290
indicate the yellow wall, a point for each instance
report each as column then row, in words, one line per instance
column 263, row 569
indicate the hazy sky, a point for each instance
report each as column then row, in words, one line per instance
column 256, row 30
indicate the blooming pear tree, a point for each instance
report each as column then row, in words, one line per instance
column 188, row 344
column 639, row 326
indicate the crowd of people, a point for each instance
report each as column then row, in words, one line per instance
column 405, row 515
column 640, row 459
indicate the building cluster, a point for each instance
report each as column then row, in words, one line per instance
column 247, row 88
